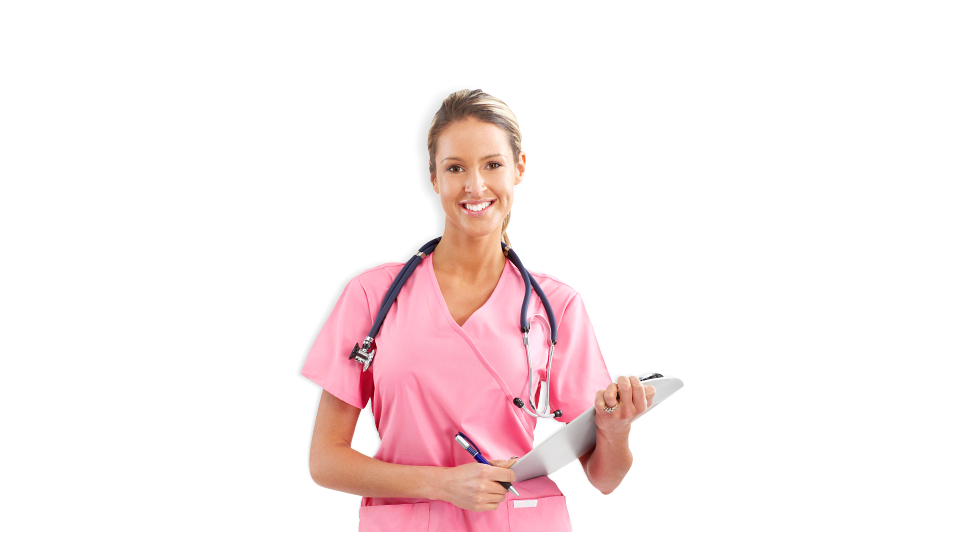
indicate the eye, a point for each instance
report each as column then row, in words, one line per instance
column 452, row 168
column 498, row 165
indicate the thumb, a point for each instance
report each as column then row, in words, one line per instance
column 505, row 463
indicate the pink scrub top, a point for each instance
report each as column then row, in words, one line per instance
column 431, row 378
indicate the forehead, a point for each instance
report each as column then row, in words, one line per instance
column 472, row 137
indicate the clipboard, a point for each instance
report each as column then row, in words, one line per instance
column 580, row 436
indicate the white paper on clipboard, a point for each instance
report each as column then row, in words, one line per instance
column 579, row 437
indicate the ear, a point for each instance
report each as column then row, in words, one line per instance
column 433, row 181
column 521, row 167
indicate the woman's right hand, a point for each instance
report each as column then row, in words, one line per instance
column 474, row 487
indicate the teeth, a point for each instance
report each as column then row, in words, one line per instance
column 477, row 207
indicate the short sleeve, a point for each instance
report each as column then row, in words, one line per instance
column 579, row 370
column 328, row 363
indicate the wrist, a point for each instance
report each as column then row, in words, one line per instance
column 436, row 483
column 614, row 436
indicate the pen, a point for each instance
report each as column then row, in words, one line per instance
column 462, row 440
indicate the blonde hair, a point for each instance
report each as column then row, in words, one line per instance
column 483, row 107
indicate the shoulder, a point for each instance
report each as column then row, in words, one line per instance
column 367, row 289
column 560, row 294
column 378, row 278
column 546, row 279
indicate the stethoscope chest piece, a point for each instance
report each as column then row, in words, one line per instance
column 364, row 354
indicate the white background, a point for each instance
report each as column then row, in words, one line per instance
column 759, row 198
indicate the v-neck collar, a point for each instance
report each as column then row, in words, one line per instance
column 508, row 269
column 443, row 303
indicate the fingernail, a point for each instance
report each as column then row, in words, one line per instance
column 514, row 457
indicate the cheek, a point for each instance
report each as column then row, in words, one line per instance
column 447, row 195
column 448, row 199
column 506, row 193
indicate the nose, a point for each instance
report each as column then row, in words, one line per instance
column 474, row 183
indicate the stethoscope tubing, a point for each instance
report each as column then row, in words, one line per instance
column 528, row 283
column 397, row 284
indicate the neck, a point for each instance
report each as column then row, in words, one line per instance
column 469, row 257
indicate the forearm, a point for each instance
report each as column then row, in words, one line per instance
column 340, row 467
column 609, row 462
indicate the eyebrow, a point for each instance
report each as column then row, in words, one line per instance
column 484, row 157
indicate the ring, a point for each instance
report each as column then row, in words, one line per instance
column 612, row 409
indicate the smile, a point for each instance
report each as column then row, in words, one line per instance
column 476, row 209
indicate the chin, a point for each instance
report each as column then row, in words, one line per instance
column 479, row 233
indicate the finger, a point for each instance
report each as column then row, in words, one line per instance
column 504, row 463
column 503, row 474
column 494, row 490
column 650, row 392
column 639, row 394
column 492, row 503
column 610, row 395
column 599, row 402
column 626, row 390
column 494, row 500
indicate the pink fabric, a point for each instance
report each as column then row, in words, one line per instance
column 431, row 378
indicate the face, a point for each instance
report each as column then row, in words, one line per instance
column 475, row 174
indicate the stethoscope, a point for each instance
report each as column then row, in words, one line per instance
column 364, row 354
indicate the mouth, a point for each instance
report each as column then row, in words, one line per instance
column 476, row 208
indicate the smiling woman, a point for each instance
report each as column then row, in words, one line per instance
column 446, row 363
column 476, row 123
column 475, row 179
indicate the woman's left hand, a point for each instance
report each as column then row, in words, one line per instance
column 635, row 398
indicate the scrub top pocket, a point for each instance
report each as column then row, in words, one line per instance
column 403, row 517
column 541, row 514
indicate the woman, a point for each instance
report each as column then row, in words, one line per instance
column 449, row 358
